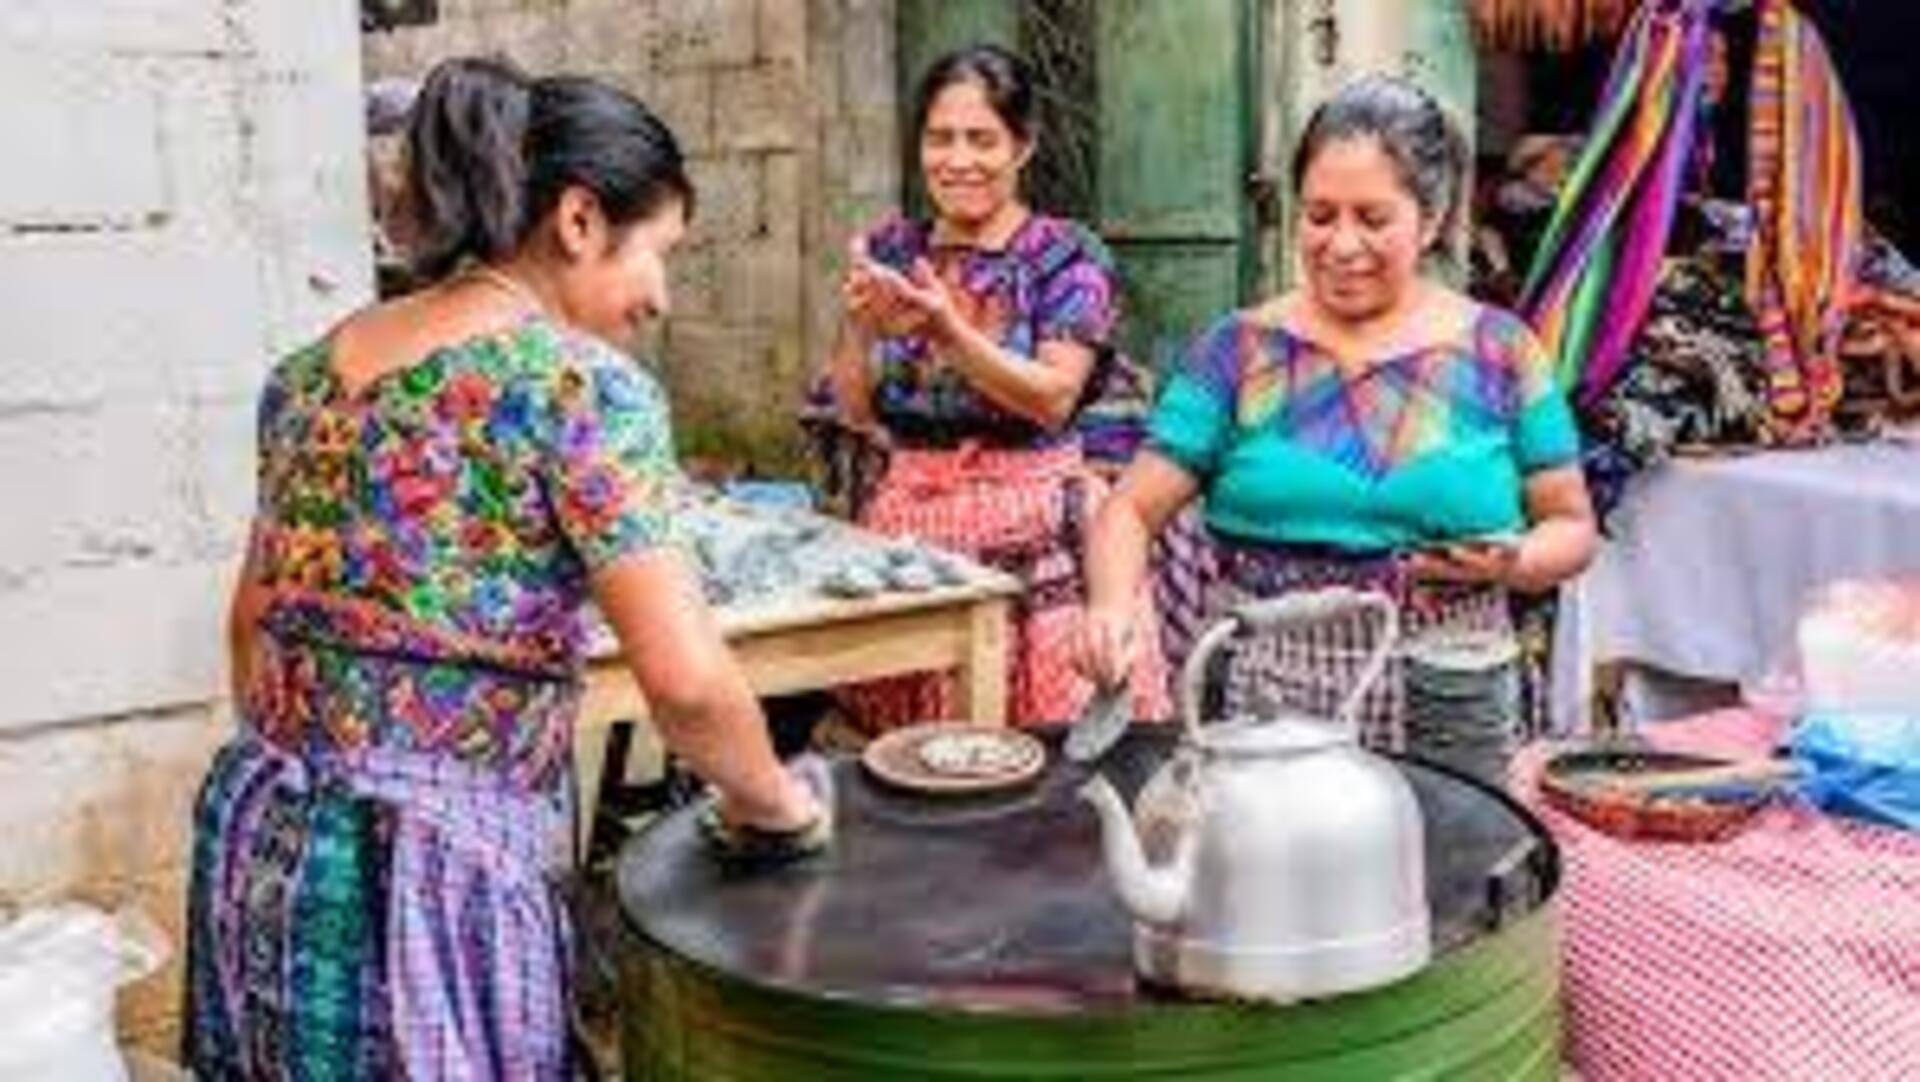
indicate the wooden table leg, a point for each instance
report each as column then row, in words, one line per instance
column 983, row 674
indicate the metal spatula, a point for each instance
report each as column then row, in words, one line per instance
column 1100, row 725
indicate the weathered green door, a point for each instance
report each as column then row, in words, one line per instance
column 1176, row 150
column 1149, row 131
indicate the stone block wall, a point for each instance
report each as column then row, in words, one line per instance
column 183, row 202
column 786, row 111
column 99, row 812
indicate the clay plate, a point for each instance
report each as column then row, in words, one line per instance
column 913, row 757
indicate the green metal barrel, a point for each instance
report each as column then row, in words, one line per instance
column 981, row 941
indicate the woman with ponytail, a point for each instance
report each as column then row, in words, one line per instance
column 445, row 481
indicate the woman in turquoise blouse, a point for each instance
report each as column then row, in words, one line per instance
column 1371, row 428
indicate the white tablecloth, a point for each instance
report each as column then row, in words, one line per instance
column 1710, row 562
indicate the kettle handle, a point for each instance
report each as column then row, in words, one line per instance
column 1291, row 610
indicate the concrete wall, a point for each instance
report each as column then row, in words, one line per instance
column 1315, row 46
column 183, row 201
column 785, row 108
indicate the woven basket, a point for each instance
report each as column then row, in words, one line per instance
column 1583, row 784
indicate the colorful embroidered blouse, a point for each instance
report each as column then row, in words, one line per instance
column 1052, row 282
column 429, row 540
column 1426, row 446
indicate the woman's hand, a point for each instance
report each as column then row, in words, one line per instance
column 1105, row 646
column 699, row 699
column 1151, row 490
column 1470, row 561
column 1559, row 541
column 896, row 303
column 871, row 294
column 793, row 807
column 927, row 294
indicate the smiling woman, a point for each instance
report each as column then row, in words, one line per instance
column 969, row 345
column 1372, row 428
column 446, row 482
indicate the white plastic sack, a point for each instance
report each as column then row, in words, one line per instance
column 59, row 969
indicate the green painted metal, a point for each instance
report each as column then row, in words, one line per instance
column 927, row 29
column 1176, row 128
column 1172, row 290
column 1487, row 1012
column 1440, row 55
column 931, row 27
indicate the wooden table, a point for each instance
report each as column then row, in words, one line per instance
column 813, row 643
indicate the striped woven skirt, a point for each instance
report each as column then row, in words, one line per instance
column 1025, row 513
column 392, row 918
column 1470, row 721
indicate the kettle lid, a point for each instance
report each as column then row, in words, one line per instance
column 1292, row 735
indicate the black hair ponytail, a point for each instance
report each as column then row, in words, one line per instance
column 466, row 168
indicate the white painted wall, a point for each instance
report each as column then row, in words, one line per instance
column 182, row 201
column 1314, row 47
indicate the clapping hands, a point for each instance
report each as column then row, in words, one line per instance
column 886, row 303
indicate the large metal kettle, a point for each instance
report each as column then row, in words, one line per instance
column 1273, row 858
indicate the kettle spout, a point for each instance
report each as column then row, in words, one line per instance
column 1157, row 895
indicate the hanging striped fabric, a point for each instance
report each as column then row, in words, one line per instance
column 1805, row 187
column 1594, row 273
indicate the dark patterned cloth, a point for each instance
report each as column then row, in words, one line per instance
column 1884, row 266
column 1696, row 380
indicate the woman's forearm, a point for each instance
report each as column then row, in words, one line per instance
column 1563, row 536
column 1117, row 550
column 695, row 690
column 1553, row 551
column 850, row 371
column 1151, row 491
column 1043, row 393
column 722, row 737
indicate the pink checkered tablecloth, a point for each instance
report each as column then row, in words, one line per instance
column 1790, row 951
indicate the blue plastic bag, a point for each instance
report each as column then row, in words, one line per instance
column 783, row 495
column 1866, row 766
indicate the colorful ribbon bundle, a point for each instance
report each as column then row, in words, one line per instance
column 1595, row 272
